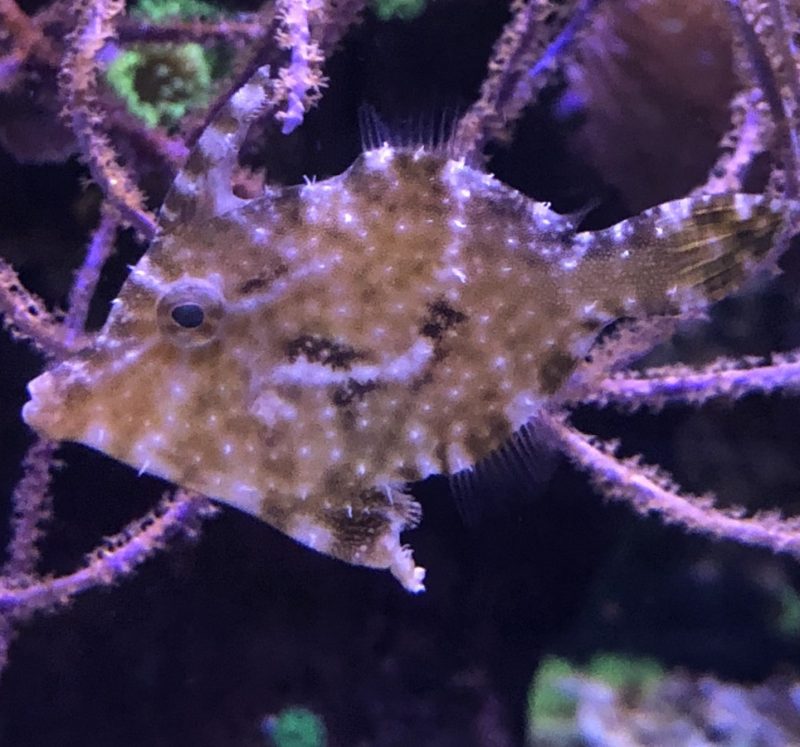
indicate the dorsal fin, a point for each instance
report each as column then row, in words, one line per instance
column 202, row 189
column 432, row 131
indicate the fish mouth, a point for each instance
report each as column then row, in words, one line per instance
column 40, row 411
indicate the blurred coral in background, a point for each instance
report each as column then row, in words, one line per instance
column 652, row 82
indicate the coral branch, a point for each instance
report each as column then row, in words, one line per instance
column 785, row 70
column 24, row 33
column 619, row 350
column 301, row 81
column 751, row 132
column 760, row 35
column 749, row 136
column 657, row 388
column 33, row 508
column 522, row 60
column 335, row 17
column 79, row 86
column 311, row 30
column 100, row 247
column 247, row 28
column 117, row 558
column 648, row 490
column 26, row 316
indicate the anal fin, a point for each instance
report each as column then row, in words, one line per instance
column 509, row 477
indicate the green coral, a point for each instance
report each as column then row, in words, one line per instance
column 624, row 672
column 160, row 82
column 551, row 706
column 159, row 10
column 404, row 10
column 295, row 727
column 788, row 622
column 548, row 704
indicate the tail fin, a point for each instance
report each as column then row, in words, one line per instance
column 722, row 240
column 678, row 256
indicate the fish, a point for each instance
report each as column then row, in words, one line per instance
column 308, row 354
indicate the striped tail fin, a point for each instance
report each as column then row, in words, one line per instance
column 724, row 238
column 676, row 257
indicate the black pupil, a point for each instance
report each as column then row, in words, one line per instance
column 188, row 315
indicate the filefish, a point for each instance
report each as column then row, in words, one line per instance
column 307, row 354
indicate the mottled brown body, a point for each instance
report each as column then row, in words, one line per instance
column 402, row 319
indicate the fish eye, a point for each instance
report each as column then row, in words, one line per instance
column 189, row 313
